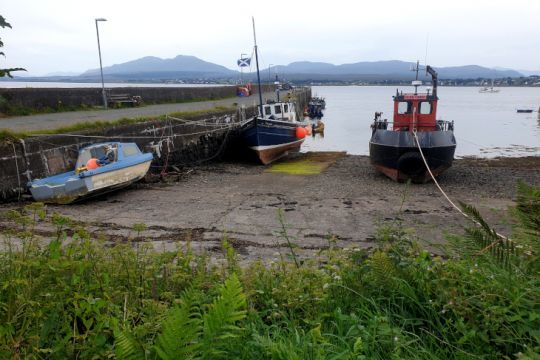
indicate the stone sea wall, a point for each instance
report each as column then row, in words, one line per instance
column 179, row 142
column 58, row 99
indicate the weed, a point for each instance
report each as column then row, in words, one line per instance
column 72, row 296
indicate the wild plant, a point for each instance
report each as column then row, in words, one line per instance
column 67, row 295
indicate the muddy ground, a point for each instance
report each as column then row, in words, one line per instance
column 346, row 202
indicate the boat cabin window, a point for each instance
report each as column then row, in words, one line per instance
column 278, row 109
column 424, row 107
column 103, row 153
column 267, row 110
column 404, row 107
column 130, row 150
column 286, row 108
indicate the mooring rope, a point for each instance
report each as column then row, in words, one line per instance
column 447, row 197
column 18, row 175
column 204, row 122
column 225, row 126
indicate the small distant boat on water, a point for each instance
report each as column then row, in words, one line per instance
column 100, row 168
column 319, row 101
column 275, row 130
column 525, row 111
column 315, row 107
column 318, row 127
column 393, row 147
column 489, row 89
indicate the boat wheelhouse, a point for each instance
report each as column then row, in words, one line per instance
column 394, row 146
column 273, row 110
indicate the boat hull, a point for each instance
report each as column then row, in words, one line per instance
column 69, row 187
column 395, row 154
column 270, row 139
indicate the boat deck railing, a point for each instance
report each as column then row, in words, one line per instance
column 440, row 125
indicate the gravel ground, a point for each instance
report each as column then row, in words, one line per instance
column 347, row 203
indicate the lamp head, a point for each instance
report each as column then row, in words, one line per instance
column 101, row 19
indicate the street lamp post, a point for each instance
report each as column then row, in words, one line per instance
column 101, row 64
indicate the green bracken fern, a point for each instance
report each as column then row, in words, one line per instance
column 181, row 329
column 188, row 332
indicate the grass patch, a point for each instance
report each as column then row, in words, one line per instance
column 7, row 135
column 311, row 163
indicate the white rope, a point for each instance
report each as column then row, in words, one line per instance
column 18, row 175
column 185, row 122
column 444, row 194
column 225, row 126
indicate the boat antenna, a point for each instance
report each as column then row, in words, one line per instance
column 427, row 40
column 257, row 63
column 416, row 83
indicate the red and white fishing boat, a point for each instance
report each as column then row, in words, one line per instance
column 395, row 146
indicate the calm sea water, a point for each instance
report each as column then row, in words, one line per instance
column 486, row 125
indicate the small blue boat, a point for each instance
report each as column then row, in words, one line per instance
column 100, row 168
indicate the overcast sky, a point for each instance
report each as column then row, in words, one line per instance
column 60, row 35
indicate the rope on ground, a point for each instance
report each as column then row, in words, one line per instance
column 18, row 174
column 446, row 196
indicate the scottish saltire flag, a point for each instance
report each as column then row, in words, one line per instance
column 244, row 62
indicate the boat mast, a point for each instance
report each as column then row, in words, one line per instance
column 257, row 63
column 433, row 74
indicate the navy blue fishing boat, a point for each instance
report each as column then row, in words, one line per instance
column 275, row 130
column 275, row 133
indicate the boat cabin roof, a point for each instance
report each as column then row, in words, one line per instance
column 278, row 109
column 415, row 97
column 99, row 151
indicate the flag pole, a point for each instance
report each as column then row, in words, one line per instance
column 257, row 63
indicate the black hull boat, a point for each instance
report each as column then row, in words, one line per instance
column 396, row 155
column 394, row 146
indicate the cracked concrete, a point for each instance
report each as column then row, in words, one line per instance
column 346, row 203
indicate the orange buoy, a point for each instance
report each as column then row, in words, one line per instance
column 300, row 132
column 92, row 164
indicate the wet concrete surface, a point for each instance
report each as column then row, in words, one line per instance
column 346, row 203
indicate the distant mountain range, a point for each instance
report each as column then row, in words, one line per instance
column 386, row 70
column 184, row 67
